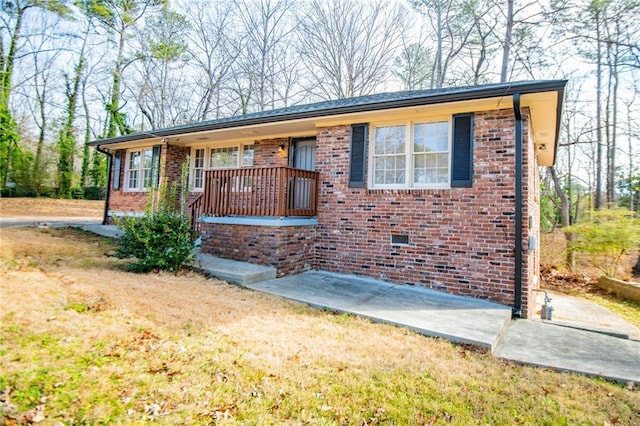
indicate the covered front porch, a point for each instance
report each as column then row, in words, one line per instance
column 262, row 215
column 256, row 192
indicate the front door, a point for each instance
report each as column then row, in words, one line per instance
column 304, row 154
column 304, row 157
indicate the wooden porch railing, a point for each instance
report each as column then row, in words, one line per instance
column 195, row 211
column 265, row 191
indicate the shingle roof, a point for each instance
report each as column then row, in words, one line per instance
column 350, row 105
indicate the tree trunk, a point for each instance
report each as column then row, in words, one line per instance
column 598, row 194
column 613, row 121
column 506, row 50
column 114, row 102
column 564, row 210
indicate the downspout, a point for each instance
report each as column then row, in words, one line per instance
column 106, row 199
column 517, row 302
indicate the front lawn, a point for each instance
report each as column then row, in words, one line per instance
column 84, row 342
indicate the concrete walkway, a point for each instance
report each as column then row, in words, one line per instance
column 564, row 344
column 432, row 313
column 465, row 320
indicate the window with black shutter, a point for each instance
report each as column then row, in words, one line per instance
column 117, row 165
column 358, row 156
column 462, row 151
column 155, row 165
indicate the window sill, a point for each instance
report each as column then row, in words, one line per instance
column 407, row 190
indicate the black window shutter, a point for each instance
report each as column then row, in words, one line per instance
column 358, row 156
column 117, row 165
column 462, row 151
column 155, row 165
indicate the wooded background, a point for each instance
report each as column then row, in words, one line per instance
column 75, row 71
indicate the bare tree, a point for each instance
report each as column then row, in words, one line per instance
column 13, row 20
column 452, row 26
column 214, row 50
column 118, row 17
column 605, row 34
column 413, row 65
column 350, row 45
column 162, row 57
column 265, row 62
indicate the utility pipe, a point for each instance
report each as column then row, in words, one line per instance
column 106, row 200
column 517, row 294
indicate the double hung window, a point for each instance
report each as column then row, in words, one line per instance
column 411, row 155
column 227, row 157
column 140, row 170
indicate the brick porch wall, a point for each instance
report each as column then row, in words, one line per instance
column 290, row 249
column 461, row 240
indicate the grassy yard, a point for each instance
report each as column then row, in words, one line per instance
column 47, row 207
column 82, row 341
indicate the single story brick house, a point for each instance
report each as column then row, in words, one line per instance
column 438, row 188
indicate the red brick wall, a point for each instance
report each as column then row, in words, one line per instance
column 289, row 248
column 267, row 153
column 461, row 239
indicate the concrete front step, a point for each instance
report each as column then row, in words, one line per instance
column 233, row 271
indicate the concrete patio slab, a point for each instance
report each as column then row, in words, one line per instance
column 428, row 312
column 576, row 312
column 569, row 349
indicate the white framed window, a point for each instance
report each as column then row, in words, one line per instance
column 198, row 168
column 225, row 157
column 410, row 155
column 139, row 172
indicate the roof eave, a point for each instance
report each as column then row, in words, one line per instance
column 436, row 98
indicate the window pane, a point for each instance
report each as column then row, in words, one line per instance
column 442, row 176
column 223, row 158
column 134, row 160
column 198, row 160
column 198, row 178
column 198, row 168
column 430, row 137
column 390, row 140
column 147, row 164
column 147, row 178
column 389, row 170
column 133, row 179
column 431, row 160
column 247, row 155
column 148, row 159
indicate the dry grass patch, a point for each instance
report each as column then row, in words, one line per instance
column 50, row 207
column 82, row 341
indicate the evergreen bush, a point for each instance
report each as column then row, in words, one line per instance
column 162, row 239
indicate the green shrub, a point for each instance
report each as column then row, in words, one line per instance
column 606, row 237
column 161, row 240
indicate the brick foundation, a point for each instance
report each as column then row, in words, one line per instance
column 290, row 249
